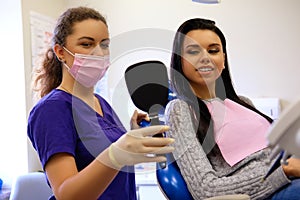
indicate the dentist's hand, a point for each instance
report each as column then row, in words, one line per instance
column 138, row 146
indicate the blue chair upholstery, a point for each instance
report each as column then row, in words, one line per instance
column 173, row 186
column 171, row 182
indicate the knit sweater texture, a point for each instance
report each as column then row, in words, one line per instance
column 209, row 175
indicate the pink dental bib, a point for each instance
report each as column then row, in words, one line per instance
column 238, row 131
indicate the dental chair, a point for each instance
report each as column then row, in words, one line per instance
column 148, row 85
column 285, row 133
column 31, row 186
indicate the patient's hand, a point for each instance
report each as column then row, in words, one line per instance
column 293, row 167
column 137, row 118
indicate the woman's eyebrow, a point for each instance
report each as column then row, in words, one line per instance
column 192, row 46
column 197, row 45
column 214, row 44
column 85, row 37
column 105, row 40
column 92, row 39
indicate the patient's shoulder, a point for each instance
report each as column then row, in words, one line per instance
column 176, row 107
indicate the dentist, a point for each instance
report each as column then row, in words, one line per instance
column 84, row 149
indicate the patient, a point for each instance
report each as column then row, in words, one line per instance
column 220, row 145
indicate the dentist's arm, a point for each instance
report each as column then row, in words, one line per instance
column 132, row 148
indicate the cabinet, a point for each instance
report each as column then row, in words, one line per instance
column 146, row 182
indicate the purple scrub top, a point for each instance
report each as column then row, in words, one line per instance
column 62, row 123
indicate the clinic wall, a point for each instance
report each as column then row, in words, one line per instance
column 13, row 157
column 16, row 154
column 50, row 9
column 262, row 40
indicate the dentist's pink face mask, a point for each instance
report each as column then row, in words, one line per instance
column 88, row 69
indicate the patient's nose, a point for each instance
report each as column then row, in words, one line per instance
column 205, row 59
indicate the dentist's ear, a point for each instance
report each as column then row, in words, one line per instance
column 59, row 52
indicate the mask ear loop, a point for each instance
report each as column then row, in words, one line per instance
column 63, row 61
column 68, row 51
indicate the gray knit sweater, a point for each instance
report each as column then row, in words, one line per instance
column 210, row 175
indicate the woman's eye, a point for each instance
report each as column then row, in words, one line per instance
column 104, row 46
column 213, row 51
column 193, row 52
column 86, row 44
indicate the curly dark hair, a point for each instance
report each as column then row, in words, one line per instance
column 49, row 75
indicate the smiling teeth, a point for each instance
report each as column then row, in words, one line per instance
column 205, row 69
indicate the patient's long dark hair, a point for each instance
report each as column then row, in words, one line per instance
column 181, row 86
